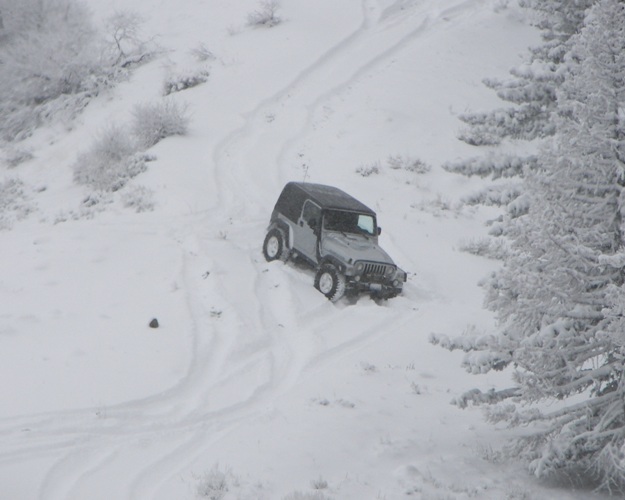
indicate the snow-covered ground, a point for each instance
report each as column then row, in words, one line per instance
column 255, row 386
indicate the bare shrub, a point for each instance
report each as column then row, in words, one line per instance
column 319, row 483
column 154, row 122
column 368, row 170
column 266, row 16
column 215, row 483
column 127, row 43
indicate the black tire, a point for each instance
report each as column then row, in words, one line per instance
column 330, row 282
column 274, row 246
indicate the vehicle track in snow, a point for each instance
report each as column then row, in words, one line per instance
column 254, row 335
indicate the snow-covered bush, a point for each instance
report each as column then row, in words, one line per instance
column 140, row 198
column 183, row 81
column 153, row 122
column 215, row 483
column 15, row 203
column 369, row 169
column 319, row 484
column 202, row 53
column 266, row 15
column 95, row 172
column 111, row 161
column 93, row 204
column 401, row 162
column 117, row 155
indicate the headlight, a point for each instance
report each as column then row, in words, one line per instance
column 359, row 267
column 389, row 271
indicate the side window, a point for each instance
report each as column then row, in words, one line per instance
column 311, row 212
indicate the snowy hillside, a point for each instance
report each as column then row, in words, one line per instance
column 255, row 386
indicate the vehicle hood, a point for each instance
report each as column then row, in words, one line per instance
column 355, row 247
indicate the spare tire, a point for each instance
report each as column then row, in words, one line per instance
column 274, row 246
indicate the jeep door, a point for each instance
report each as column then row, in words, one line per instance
column 307, row 230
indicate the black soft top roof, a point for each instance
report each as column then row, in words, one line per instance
column 328, row 197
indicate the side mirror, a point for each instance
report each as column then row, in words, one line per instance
column 379, row 230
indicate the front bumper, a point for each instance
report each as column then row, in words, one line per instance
column 377, row 290
column 387, row 283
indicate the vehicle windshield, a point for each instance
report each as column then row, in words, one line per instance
column 349, row 222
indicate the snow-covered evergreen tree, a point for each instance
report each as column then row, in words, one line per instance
column 560, row 295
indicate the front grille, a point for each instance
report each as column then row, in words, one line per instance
column 376, row 271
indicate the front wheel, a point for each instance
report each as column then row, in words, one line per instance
column 330, row 282
column 274, row 246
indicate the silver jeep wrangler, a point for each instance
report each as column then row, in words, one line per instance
column 337, row 236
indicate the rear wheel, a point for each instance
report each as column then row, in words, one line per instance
column 330, row 282
column 274, row 246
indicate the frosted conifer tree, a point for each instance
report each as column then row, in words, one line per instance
column 559, row 297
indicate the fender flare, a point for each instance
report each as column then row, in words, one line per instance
column 333, row 261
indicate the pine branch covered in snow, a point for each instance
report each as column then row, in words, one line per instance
column 494, row 166
column 497, row 195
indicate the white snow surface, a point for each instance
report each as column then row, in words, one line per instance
column 253, row 377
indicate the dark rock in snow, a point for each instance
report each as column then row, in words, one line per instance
column 154, row 323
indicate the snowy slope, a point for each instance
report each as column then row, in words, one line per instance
column 253, row 377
